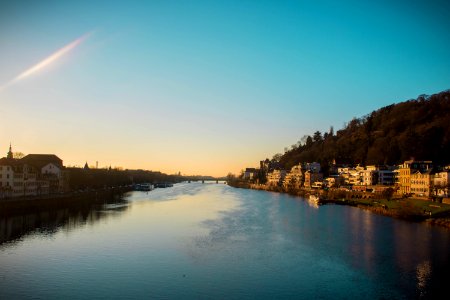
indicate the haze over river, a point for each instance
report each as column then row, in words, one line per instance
column 213, row 241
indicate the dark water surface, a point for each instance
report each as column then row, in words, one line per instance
column 212, row 241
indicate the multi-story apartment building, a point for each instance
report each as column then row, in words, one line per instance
column 404, row 174
column 35, row 174
column 6, row 179
column 441, row 183
column 369, row 177
column 351, row 176
column 250, row 173
column 312, row 177
column 333, row 181
column 294, row 179
column 422, row 182
column 386, row 177
column 276, row 177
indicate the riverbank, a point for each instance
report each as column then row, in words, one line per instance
column 411, row 209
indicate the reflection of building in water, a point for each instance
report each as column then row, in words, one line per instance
column 32, row 175
column 406, row 234
column 14, row 225
column 363, row 241
column 423, row 273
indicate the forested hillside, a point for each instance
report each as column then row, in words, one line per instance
column 417, row 128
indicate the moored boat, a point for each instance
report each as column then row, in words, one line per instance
column 145, row 187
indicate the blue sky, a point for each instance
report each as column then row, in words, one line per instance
column 208, row 86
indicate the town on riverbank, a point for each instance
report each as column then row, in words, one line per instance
column 415, row 190
column 41, row 177
column 393, row 161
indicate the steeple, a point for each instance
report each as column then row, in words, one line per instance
column 86, row 166
column 10, row 154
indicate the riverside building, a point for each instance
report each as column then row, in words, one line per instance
column 32, row 175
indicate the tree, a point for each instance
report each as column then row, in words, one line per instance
column 317, row 136
column 277, row 157
column 331, row 133
column 309, row 141
column 231, row 177
column 304, row 139
column 390, row 135
column 18, row 155
column 388, row 193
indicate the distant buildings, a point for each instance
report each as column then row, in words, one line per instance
column 386, row 177
column 441, row 183
column 312, row 177
column 412, row 177
column 250, row 173
column 368, row 176
column 294, row 179
column 32, row 175
column 276, row 177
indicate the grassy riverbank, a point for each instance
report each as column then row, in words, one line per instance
column 411, row 209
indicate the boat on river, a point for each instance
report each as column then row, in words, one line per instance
column 163, row 185
column 145, row 187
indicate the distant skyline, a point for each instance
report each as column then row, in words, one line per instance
column 210, row 86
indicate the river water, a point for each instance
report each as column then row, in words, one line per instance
column 211, row 241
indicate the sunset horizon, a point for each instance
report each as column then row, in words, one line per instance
column 173, row 149
column 133, row 86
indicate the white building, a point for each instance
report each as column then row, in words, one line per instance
column 441, row 183
column 35, row 174
column 276, row 177
column 294, row 179
column 369, row 177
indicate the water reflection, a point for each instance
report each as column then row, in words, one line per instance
column 17, row 223
column 423, row 275
column 212, row 241
column 401, row 256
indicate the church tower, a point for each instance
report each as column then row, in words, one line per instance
column 10, row 154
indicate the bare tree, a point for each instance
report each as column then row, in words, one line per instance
column 18, row 155
column 277, row 157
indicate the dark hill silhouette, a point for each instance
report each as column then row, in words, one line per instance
column 417, row 128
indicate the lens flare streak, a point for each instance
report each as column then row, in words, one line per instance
column 47, row 61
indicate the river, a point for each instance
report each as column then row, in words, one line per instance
column 212, row 241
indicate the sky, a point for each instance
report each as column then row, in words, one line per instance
column 206, row 87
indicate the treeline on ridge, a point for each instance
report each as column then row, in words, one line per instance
column 417, row 128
